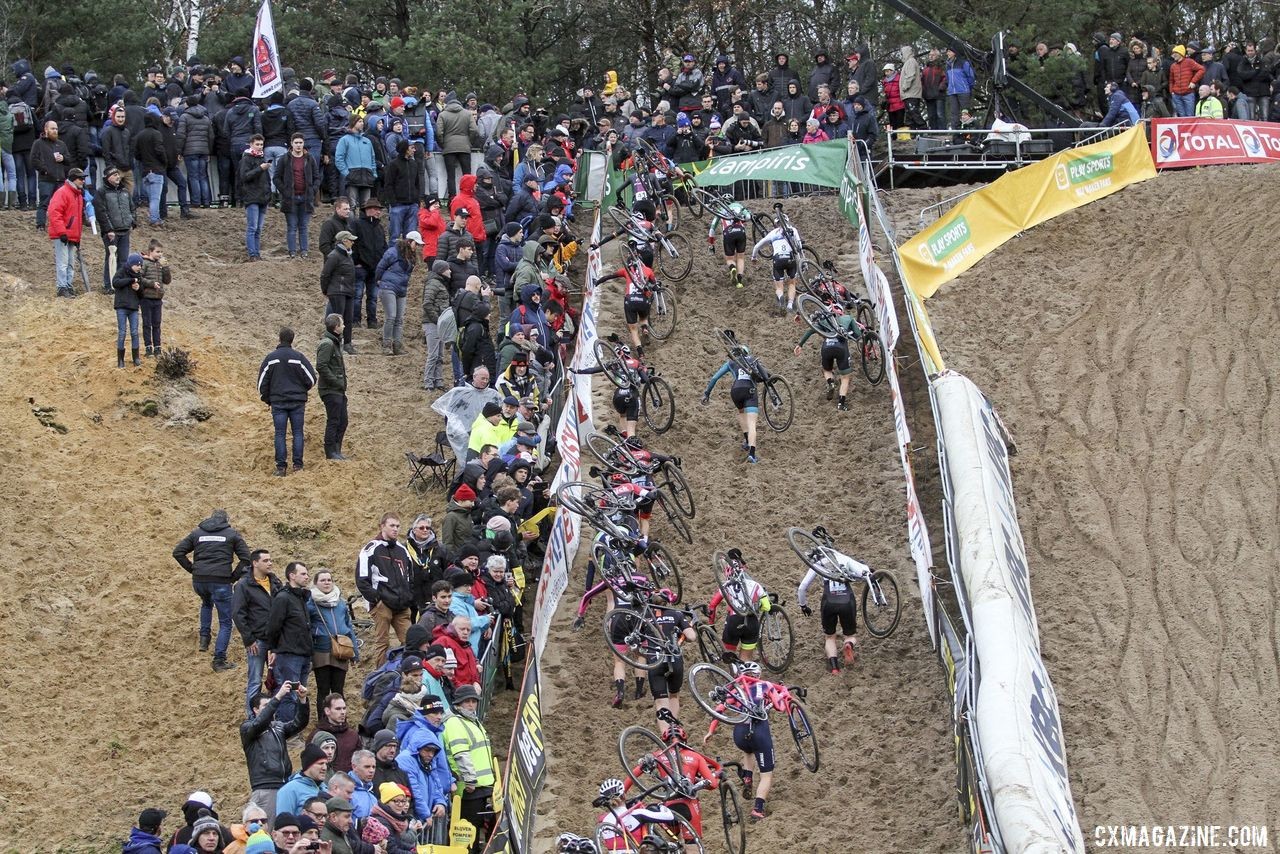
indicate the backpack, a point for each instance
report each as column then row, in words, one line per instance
column 22, row 118
column 376, row 691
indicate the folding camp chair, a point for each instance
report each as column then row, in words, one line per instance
column 433, row 468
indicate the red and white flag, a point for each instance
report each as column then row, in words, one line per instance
column 266, row 58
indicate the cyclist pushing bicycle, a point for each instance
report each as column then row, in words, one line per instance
column 746, row 599
column 747, row 373
column 689, row 773
column 787, row 247
column 835, row 354
column 634, row 825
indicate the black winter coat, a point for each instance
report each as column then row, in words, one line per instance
column 288, row 624
column 285, row 377
column 117, row 147
column 43, row 161
column 284, row 183
column 338, row 278
column 251, row 606
column 404, row 181
column 265, row 743
column 214, row 543
column 113, row 209
column 240, row 122
column 384, row 574
column 277, row 126
column 253, row 183
column 195, row 133
column 149, row 147
column 308, row 118
column 127, row 298
column 371, row 242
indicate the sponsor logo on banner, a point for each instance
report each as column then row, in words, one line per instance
column 1085, row 175
column 952, row 244
column 527, row 764
column 1202, row 142
column 1167, row 144
column 1250, row 140
column 745, row 167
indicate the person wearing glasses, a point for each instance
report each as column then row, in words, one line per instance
column 428, row 560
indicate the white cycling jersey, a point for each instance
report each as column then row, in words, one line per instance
column 782, row 248
column 648, row 814
column 844, row 565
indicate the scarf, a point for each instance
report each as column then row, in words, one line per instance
column 398, row 824
column 326, row 600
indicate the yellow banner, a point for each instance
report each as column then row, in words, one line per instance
column 1019, row 200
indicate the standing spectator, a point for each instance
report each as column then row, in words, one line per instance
column 455, row 128
column 911, row 87
column 781, row 74
column 471, row 759
column 795, row 104
column 1109, row 64
column 332, row 718
column 253, row 188
column 145, row 838
column 172, row 159
column 363, row 770
column 356, row 161
column 289, row 631
column 1214, row 71
column 1184, row 79
column 383, row 577
column 8, row 173
column 339, row 221
column 960, row 80
column 149, row 148
column 117, row 147
column 277, row 131
column 474, row 219
column 371, row 244
column 240, row 123
column 24, row 135
column 331, row 370
column 859, row 69
column 423, row 761
column 127, row 284
column 471, row 309
column 1135, row 65
column 331, row 628
column 200, row 818
column 113, row 209
column 337, row 283
column 250, row 607
column 455, row 637
column 404, row 187
column 213, row 544
column 195, row 144
column 492, row 200
column 430, row 226
column 463, row 603
column 284, row 379
column 823, row 74
column 338, row 826
column 1253, row 76
column 297, row 178
column 264, row 738
column 435, row 301
column 155, row 276
column 313, row 768
column 385, row 748
column 429, row 561
column 391, row 279
column 933, row 82
column 50, row 159
column 65, row 226
column 309, row 121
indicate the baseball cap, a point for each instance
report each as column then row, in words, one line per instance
column 688, row 57
column 410, row 663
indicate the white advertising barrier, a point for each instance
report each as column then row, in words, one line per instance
column 1016, row 715
column 575, row 422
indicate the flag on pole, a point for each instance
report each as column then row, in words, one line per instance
column 266, row 59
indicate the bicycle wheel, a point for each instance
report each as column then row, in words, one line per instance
column 881, row 612
column 693, row 201
column 642, row 645
column 658, row 405
column 611, row 453
column 622, row 220
column 662, row 314
column 673, row 257
column 677, row 834
column 663, row 571
column 675, row 518
column 709, row 645
column 610, row 838
column 814, row 555
column 814, row 312
column 802, row 733
column 808, row 255
column 677, row 488
column 776, row 641
column 872, row 358
column 866, row 317
column 760, row 226
column 715, row 691
column 647, row 761
column 779, row 408
column 611, row 366
column 732, row 819
column 669, row 213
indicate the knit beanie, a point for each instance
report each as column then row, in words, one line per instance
column 382, row 738
column 388, row 792
column 311, row 754
column 464, row 493
column 260, row 843
column 321, row 738
column 205, row 823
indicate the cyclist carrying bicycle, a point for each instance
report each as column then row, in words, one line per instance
column 746, row 599
column 695, row 772
column 747, row 372
column 835, row 354
column 630, row 821
column 626, row 399
column 839, row 608
column 754, row 738
column 734, row 234
column 665, row 681
column 787, row 246
column 637, row 297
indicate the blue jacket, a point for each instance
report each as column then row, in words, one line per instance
column 505, row 258
column 529, row 314
column 294, row 794
column 959, row 76
column 363, row 798
column 466, row 604
column 327, row 622
column 355, row 151
column 1120, row 110
column 142, row 843
column 393, row 272
column 430, row 785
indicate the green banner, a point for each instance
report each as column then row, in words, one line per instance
column 820, row 163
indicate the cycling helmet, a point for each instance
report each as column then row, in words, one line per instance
column 836, row 309
column 634, row 442
column 675, row 732
column 654, row 844
column 642, row 456
column 751, row 668
column 735, row 555
column 777, row 206
column 820, row 533
column 572, row 843
column 662, row 596
column 619, row 478
column 624, row 349
column 613, row 787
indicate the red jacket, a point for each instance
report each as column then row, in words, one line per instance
column 430, row 226
column 468, row 668
column 66, row 213
column 466, row 198
column 1184, row 76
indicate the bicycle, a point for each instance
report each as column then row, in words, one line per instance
column 762, row 224
column 728, row 699
column 628, row 455
column 672, row 253
column 662, row 302
column 778, row 403
column 643, row 645
column 881, row 606
column 821, row 319
column 777, row 642
column 659, row 765
column 657, row 401
column 653, row 831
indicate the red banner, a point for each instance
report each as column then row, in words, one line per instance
column 1178, row 143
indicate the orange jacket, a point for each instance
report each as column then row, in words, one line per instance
column 66, row 213
column 1184, row 76
column 466, row 198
